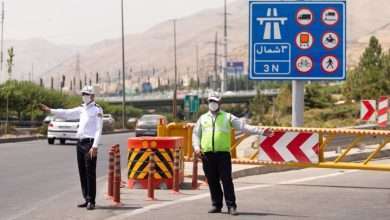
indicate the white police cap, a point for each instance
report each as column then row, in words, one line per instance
column 214, row 96
column 88, row 90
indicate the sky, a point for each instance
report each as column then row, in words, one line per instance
column 83, row 22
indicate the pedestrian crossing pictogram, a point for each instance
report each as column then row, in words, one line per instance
column 329, row 64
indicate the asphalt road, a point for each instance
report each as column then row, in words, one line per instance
column 32, row 172
column 40, row 181
column 299, row 194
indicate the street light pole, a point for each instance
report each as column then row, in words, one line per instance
column 225, row 55
column 123, row 71
column 174, row 107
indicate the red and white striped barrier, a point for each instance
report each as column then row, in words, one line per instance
column 300, row 147
column 383, row 115
column 368, row 110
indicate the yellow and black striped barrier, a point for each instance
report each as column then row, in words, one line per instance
column 139, row 151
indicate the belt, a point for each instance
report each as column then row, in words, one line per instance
column 89, row 140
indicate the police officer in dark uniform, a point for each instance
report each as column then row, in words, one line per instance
column 88, row 134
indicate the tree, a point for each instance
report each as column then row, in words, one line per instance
column 315, row 97
column 370, row 79
column 259, row 107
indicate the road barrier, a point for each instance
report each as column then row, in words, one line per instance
column 176, row 169
column 185, row 130
column 151, row 170
column 326, row 136
column 111, row 167
column 195, row 172
column 117, row 176
column 139, row 150
column 315, row 142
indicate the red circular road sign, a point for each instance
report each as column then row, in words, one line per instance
column 304, row 16
column 304, row 40
column 304, row 64
column 330, row 16
column 330, row 40
column 329, row 64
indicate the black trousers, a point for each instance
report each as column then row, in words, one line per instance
column 87, row 170
column 217, row 167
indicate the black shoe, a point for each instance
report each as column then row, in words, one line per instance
column 91, row 206
column 82, row 205
column 215, row 210
column 232, row 211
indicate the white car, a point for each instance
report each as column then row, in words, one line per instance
column 62, row 130
column 107, row 118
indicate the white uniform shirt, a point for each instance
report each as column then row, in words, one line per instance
column 91, row 120
column 236, row 123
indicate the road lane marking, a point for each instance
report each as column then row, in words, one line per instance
column 205, row 195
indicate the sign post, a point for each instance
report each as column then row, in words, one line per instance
column 191, row 104
column 298, row 41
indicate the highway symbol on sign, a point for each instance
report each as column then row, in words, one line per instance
column 304, row 16
column 304, row 40
column 304, row 64
column 368, row 110
column 330, row 16
column 329, row 64
column 272, row 19
column 330, row 40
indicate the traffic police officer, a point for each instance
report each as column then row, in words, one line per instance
column 212, row 140
column 88, row 134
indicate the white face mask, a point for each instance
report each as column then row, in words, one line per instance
column 86, row 99
column 213, row 106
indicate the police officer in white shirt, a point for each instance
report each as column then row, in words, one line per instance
column 88, row 133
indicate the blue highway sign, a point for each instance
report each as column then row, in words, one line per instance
column 297, row 40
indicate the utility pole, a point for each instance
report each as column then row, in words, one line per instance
column 197, row 65
column 216, row 60
column 123, row 71
column 174, row 107
column 225, row 55
column 2, row 38
column 78, row 69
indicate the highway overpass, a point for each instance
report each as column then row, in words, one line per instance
column 165, row 99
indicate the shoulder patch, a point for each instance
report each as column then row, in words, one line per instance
column 100, row 115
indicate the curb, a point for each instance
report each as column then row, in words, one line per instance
column 22, row 139
column 278, row 168
column 118, row 132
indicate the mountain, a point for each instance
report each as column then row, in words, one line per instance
column 149, row 55
column 35, row 56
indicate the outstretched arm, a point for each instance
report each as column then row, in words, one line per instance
column 244, row 127
column 73, row 113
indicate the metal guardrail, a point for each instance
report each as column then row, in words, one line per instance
column 169, row 95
